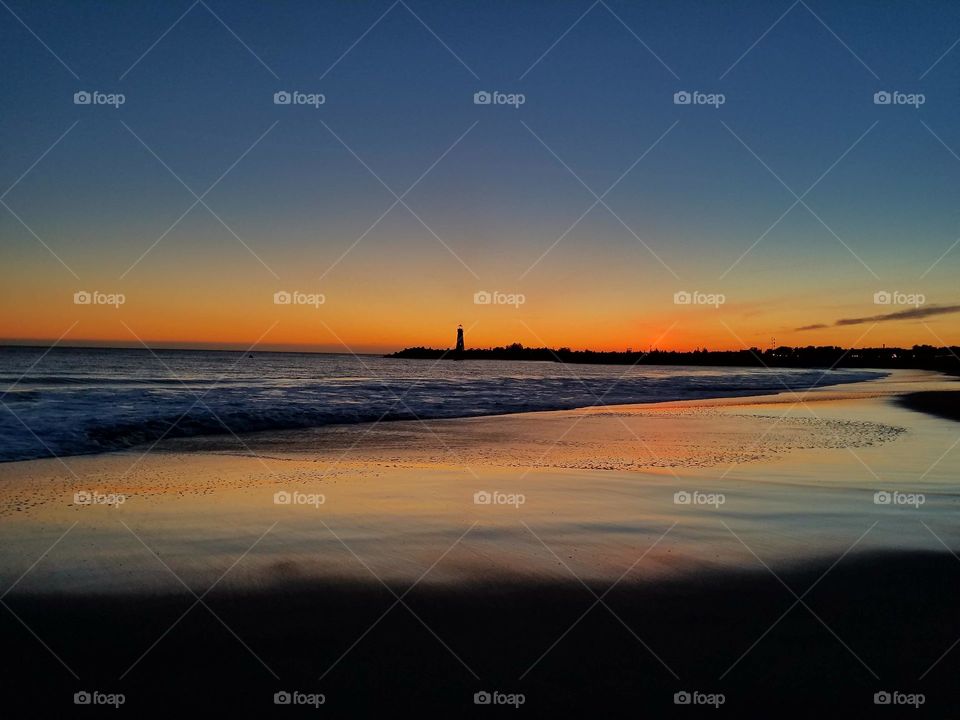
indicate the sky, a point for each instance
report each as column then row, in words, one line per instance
column 782, row 204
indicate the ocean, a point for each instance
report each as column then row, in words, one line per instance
column 74, row 401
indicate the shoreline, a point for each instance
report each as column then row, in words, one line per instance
column 294, row 591
column 620, row 466
column 94, row 438
column 935, row 402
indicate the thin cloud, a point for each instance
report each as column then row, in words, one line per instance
column 909, row 314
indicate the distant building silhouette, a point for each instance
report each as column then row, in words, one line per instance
column 459, row 338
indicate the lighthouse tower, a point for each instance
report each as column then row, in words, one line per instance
column 459, row 338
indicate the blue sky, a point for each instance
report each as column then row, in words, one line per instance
column 599, row 82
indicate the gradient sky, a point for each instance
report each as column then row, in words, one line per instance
column 399, row 95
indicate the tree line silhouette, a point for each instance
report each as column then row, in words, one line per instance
column 929, row 357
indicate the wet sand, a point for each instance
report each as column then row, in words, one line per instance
column 699, row 506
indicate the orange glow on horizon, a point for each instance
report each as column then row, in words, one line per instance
column 301, row 330
column 233, row 311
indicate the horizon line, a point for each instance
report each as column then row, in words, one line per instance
column 196, row 346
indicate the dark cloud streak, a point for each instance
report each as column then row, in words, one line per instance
column 917, row 313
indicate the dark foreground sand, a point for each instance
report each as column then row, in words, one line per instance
column 876, row 622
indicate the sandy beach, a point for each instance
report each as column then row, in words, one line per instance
column 701, row 518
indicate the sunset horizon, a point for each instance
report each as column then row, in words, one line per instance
column 796, row 201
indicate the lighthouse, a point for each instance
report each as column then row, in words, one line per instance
column 459, row 338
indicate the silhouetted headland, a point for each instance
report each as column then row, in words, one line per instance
column 925, row 357
column 945, row 404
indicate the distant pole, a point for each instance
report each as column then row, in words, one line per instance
column 459, row 338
